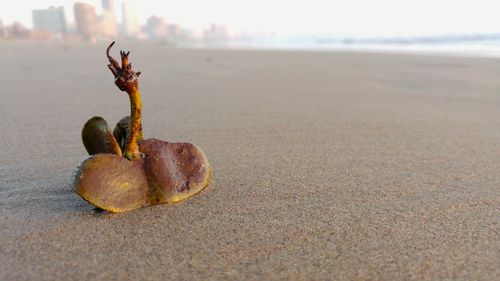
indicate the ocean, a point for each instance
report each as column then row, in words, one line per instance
column 475, row 45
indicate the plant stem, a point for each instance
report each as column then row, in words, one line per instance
column 127, row 80
column 131, row 146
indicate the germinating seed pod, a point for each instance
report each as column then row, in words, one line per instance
column 125, row 172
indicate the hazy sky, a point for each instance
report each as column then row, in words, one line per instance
column 286, row 17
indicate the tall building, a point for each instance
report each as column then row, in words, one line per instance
column 107, row 22
column 86, row 20
column 108, row 5
column 52, row 19
column 17, row 30
column 1, row 29
column 216, row 32
column 156, row 27
column 108, row 26
column 130, row 22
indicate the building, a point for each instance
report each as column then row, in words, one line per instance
column 52, row 19
column 216, row 32
column 175, row 32
column 2, row 30
column 108, row 27
column 131, row 26
column 156, row 27
column 108, row 24
column 108, row 5
column 17, row 31
column 86, row 20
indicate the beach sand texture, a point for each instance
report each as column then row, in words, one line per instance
column 326, row 166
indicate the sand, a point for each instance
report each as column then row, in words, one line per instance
column 327, row 166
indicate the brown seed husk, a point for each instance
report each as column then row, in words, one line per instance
column 112, row 183
column 97, row 137
column 167, row 173
column 175, row 171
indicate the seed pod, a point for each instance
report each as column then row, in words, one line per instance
column 122, row 130
column 175, row 171
column 112, row 183
column 150, row 171
column 97, row 137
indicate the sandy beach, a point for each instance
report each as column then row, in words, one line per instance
column 326, row 166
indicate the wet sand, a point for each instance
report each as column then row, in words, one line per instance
column 327, row 166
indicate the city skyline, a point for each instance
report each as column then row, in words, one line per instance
column 355, row 17
column 52, row 23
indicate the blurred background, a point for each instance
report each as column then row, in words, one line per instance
column 426, row 25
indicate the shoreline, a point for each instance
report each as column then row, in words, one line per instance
column 396, row 50
column 444, row 50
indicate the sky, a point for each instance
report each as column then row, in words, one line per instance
column 301, row 17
